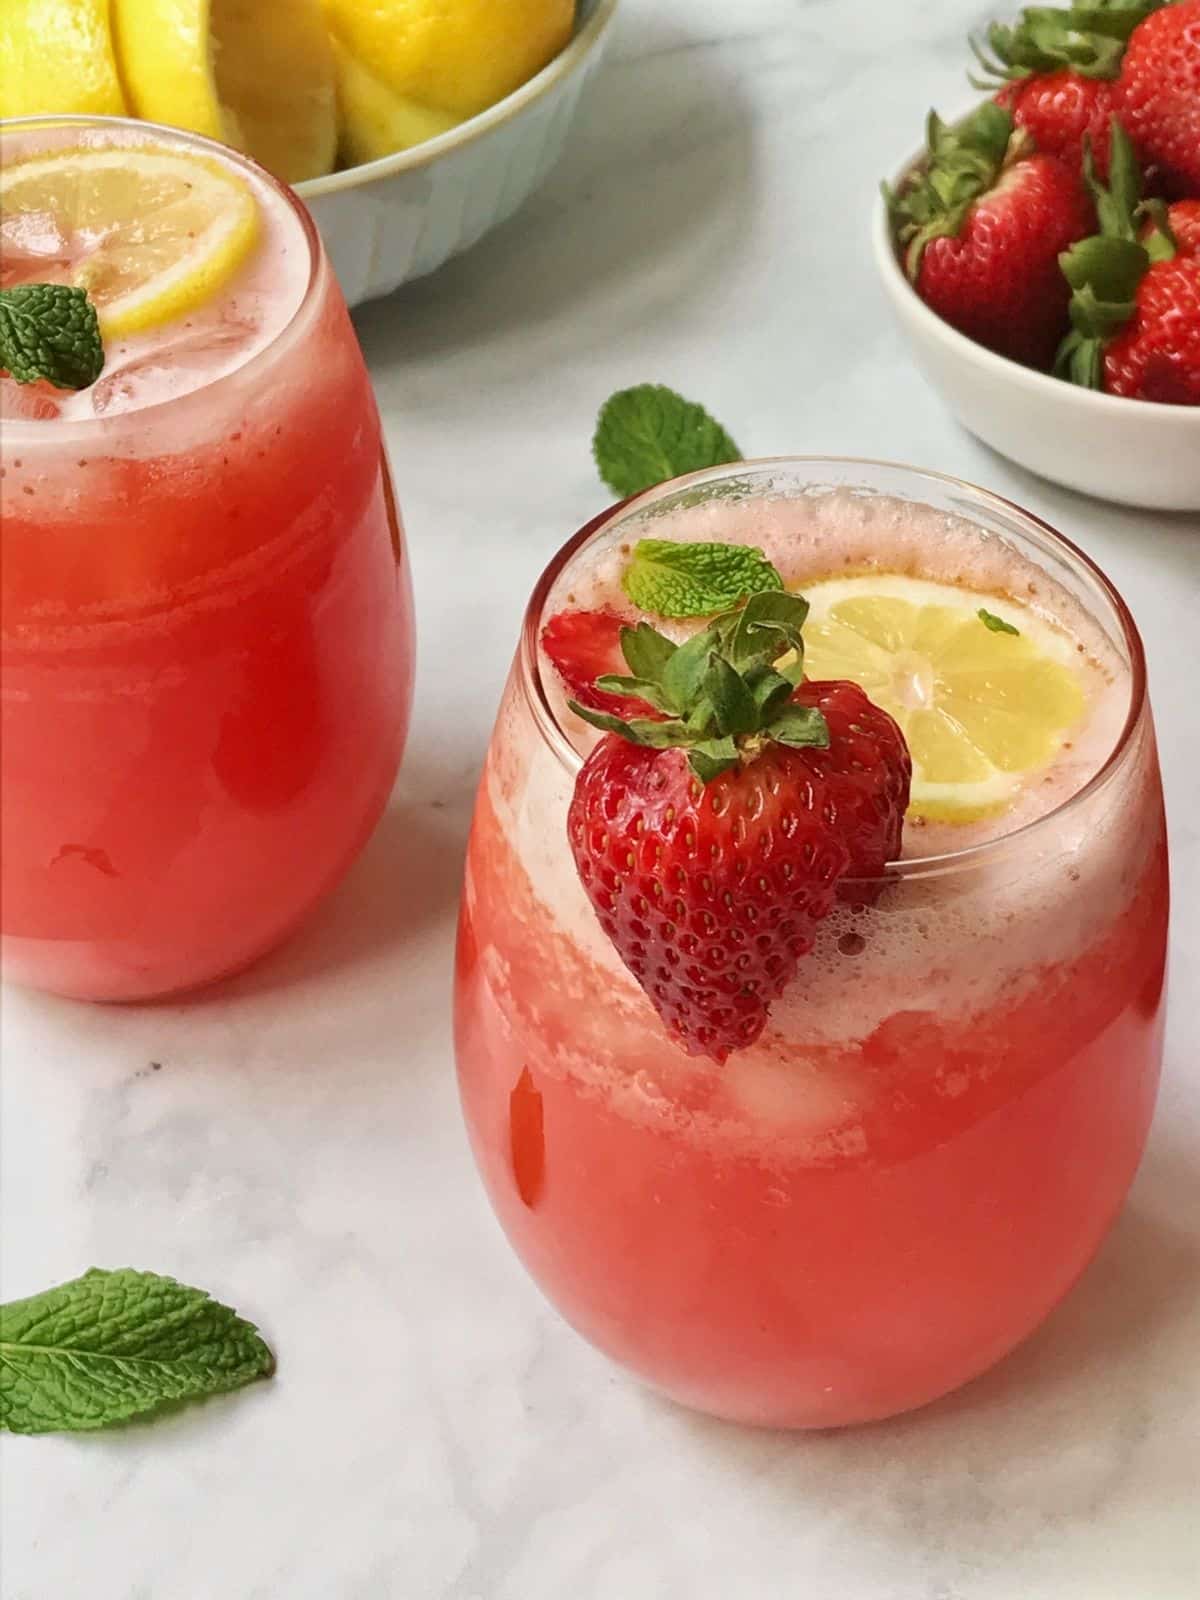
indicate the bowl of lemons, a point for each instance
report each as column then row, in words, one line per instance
column 409, row 127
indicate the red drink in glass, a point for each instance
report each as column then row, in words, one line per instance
column 904, row 1174
column 207, row 617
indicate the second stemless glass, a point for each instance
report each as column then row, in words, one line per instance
column 842, row 1222
column 207, row 652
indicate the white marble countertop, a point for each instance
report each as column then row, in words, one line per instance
column 293, row 1142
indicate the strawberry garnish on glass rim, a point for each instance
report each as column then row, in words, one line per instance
column 584, row 646
column 1135, row 310
column 711, row 842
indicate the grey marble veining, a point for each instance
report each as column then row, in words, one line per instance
column 434, row 1431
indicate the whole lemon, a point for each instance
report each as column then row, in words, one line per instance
column 453, row 56
column 57, row 55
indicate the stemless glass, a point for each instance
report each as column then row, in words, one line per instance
column 207, row 643
column 900, row 1179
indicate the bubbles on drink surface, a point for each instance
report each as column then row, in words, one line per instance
column 131, row 380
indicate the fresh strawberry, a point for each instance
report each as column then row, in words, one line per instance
column 1135, row 312
column 867, row 771
column 712, row 844
column 584, row 646
column 981, row 227
column 1184, row 221
column 1059, row 110
column 1159, row 95
column 1157, row 356
column 1058, row 68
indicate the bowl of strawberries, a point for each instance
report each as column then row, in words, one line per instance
column 1043, row 252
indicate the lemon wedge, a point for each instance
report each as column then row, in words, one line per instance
column 981, row 708
column 453, row 56
column 256, row 74
column 373, row 120
column 149, row 233
column 57, row 55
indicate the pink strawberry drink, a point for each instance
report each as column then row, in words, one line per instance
column 207, row 617
column 907, row 1169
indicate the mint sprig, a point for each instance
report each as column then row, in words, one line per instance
column 50, row 330
column 114, row 1345
column 726, row 689
column 695, row 580
column 648, row 434
column 995, row 624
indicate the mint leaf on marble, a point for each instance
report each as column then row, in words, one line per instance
column 114, row 1345
column 50, row 330
column 694, row 580
column 648, row 434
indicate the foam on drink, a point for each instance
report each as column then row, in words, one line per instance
column 834, row 533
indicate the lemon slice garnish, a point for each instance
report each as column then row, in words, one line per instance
column 981, row 710
column 256, row 74
column 150, row 233
column 57, row 55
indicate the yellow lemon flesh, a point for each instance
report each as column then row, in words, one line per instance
column 981, row 709
column 57, row 55
column 150, row 233
column 453, row 56
column 374, row 120
column 256, row 74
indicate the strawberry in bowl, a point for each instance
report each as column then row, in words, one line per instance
column 980, row 226
column 1136, row 304
column 1066, row 72
column 998, row 264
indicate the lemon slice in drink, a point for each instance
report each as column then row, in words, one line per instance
column 149, row 233
column 982, row 708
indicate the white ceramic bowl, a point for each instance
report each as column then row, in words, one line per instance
column 1131, row 451
column 391, row 220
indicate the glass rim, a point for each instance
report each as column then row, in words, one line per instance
column 32, row 427
column 529, row 675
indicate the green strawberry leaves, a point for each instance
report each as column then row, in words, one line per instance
column 50, row 330
column 1105, row 270
column 648, row 434
column 728, row 684
column 1089, row 38
column 646, row 651
column 963, row 162
column 802, row 727
column 114, row 1345
column 694, row 580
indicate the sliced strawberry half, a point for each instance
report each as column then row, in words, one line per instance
column 584, row 646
